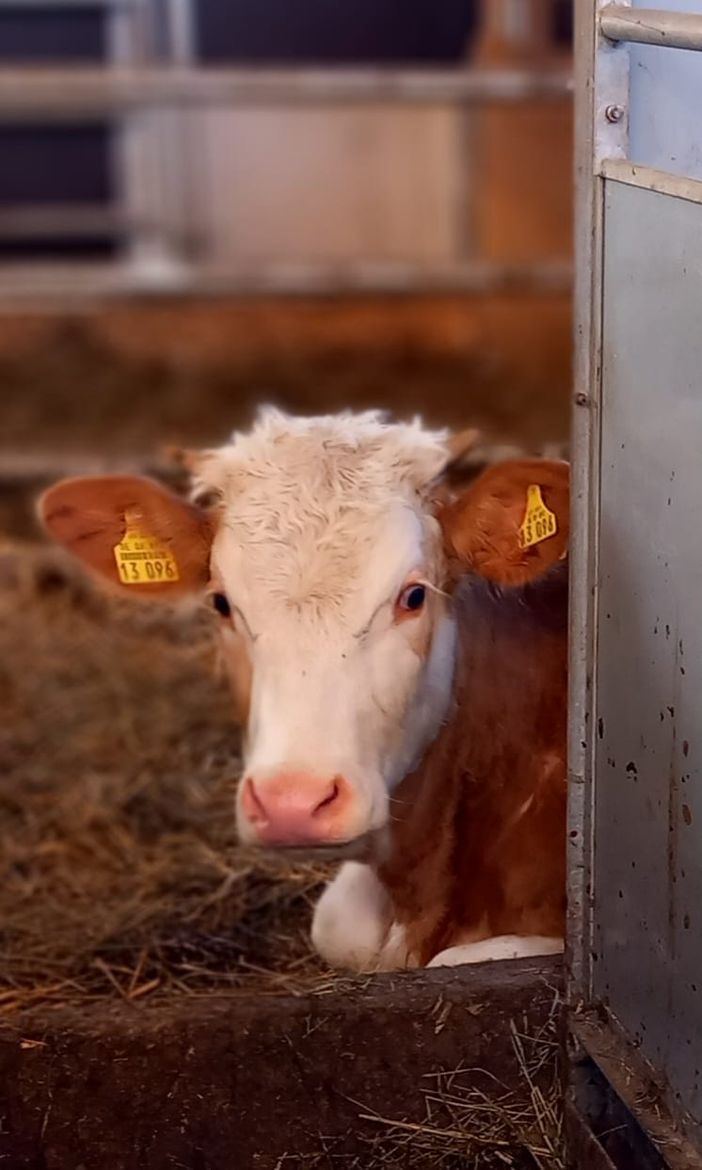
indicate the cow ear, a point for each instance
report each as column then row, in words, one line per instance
column 138, row 536
column 512, row 523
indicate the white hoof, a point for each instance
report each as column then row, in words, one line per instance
column 506, row 946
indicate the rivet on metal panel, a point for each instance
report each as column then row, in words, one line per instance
column 614, row 113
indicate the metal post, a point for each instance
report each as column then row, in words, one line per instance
column 513, row 30
column 181, row 137
column 143, row 163
column 594, row 136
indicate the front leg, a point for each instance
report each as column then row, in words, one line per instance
column 352, row 919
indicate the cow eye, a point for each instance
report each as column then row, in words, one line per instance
column 412, row 598
column 222, row 605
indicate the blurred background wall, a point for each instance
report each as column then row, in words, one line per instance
column 326, row 205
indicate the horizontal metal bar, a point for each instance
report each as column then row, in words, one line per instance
column 26, row 468
column 70, row 281
column 652, row 26
column 76, row 221
column 51, row 93
column 620, row 170
column 596, row 1035
column 70, row 5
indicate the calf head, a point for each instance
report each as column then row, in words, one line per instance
column 330, row 548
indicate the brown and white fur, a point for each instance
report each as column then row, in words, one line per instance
column 425, row 740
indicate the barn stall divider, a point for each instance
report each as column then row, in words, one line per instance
column 635, row 1023
column 200, row 1054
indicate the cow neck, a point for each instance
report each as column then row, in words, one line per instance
column 504, row 735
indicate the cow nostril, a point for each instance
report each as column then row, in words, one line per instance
column 329, row 799
column 253, row 805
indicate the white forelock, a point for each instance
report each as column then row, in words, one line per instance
column 308, row 497
column 362, row 453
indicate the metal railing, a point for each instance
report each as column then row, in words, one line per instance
column 54, row 221
column 93, row 93
column 652, row 26
column 63, row 280
column 69, row 5
column 155, row 99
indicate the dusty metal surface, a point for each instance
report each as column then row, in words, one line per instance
column 636, row 812
column 648, row 860
column 665, row 87
column 618, row 1111
column 589, row 119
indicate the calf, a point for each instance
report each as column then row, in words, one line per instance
column 397, row 654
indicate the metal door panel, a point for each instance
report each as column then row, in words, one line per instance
column 648, row 800
column 635, row 748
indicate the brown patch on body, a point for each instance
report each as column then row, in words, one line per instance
column 478, row 831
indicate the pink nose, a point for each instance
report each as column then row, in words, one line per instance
column 294, row 808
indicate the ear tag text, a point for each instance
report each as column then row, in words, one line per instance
column 143, row 559
column 539, row 522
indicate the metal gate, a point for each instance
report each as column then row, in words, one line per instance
column 635, row 1029
column 298, row 180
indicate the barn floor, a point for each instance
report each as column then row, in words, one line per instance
column 133, row 929
column 120, row 872
column 136, row 932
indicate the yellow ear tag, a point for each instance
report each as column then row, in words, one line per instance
column 143, row 559
column 539, row 522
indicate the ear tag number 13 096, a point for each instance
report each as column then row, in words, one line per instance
column 143, row 559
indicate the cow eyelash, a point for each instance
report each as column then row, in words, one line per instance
column 435, row 589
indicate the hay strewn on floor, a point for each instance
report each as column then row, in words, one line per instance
column 475, row 1126
column 120, row 876
column 119, row 872
column 471, row 1120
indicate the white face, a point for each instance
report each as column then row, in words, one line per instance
column 341, row 652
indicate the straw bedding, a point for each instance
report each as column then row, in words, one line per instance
column 120, row 873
